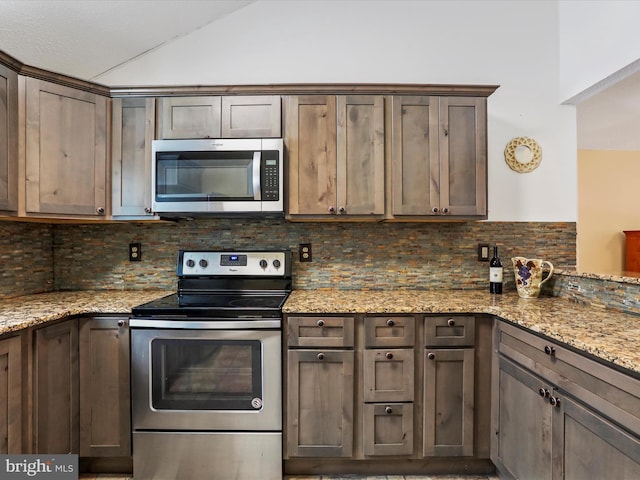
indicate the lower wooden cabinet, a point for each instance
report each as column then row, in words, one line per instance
column 55, row 389
column 11, row 411
column 388, row 429
column 80, row 388
column 105, row 407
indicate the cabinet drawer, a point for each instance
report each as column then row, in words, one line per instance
column 605, row 389
column 388, row 429
column 449, row 331
column 388, row 375
column 389, row 331
column 320, row 331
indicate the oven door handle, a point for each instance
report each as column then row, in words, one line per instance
column 210, row 324
column 257, row 189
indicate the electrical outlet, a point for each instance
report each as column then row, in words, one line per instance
column 483, row 252
column 135, row 252
column 305, row 252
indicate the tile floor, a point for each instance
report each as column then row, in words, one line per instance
column 109, row 476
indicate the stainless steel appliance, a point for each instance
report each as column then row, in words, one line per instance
column 206, row 370
column 217, row 176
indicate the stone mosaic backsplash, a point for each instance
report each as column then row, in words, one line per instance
column 345, row 255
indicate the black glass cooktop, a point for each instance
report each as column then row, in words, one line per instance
column 215, row 305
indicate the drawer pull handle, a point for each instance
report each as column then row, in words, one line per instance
column 390, row 323
column 321, row 356
column 544, row 393
column 451, row 322
column 389, row 355
column 431, row 356
column 320, row 323
column 555, row 402
column 388, row 410
column 549, row 350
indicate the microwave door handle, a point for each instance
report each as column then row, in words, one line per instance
column 256, row 176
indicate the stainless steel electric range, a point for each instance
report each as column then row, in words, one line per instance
column 206, row 370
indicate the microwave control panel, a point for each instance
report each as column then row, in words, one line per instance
column 270, row 180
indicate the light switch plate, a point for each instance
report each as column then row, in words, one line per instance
column 483, row 252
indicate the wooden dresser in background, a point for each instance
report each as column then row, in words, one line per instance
column 632, row 263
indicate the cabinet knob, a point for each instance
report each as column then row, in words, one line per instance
column 451, row 322
column 342, row 210
column 549, row 350
column 554, row 402
column 390, row 322
column 147, row 209
column 121, row 323
column 389, row 355
column 100, row 210
column 388, row 410
column 332, row 209
column 431, row 356
column 434, row 209
column 321, row 356
column 320, row 323
column 544, row 393
column 445, row 210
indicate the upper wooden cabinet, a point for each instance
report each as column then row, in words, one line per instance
column 219, row 117
column 439, row 157
column 8, row 139
column 336, row 156
column 65, row 151
column 133, row 121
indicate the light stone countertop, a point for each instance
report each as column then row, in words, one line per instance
column 605, row 334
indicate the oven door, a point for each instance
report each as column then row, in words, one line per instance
column 206, row 379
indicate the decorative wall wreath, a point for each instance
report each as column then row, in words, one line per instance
column 523, row 154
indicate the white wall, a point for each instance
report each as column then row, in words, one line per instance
column 514, row 44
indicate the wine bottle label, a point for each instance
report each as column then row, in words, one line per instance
column 495, row 274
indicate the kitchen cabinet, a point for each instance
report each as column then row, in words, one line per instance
column 55, row 388
column 439, row 157
column 11, row 398
column 219, row 117
column 105, row 418
column 320, row 387
column 66, row 151
column 632, row 250
column 449, row 393
column 8, row 140
column 389, row 386
column 559, row 414
column 335, row 148
column 132, row 133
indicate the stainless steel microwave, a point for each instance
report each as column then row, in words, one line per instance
column 217, row 176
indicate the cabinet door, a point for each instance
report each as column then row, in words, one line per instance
column 105, row 419
column 388, row 429
column 11, row 395
column 415, row 181
column 589, row 446
column 360, row 169
column 463, row 156
column 8, row 139
column 251, row 117
column 310, row 138
column 133, row 121
column 65, row 150
column 388, row 375
column 522, row 424
column 189, row 117
column 320, row 389
column 448, row 402
column 55, row 389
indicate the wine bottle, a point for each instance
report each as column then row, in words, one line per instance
column 495, row 273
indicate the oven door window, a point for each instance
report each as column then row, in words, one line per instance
column 193, row 374
column 207, row 176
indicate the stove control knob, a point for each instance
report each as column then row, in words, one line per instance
column 203, row 263
column 263, row 264
column 276, row 263
column 190, row 263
